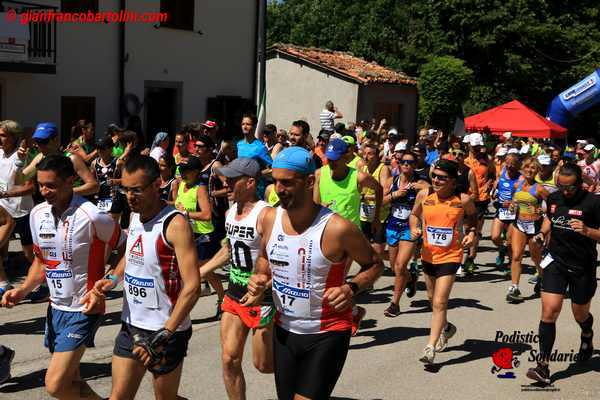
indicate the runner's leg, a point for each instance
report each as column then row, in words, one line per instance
column 167, row 385
column 62, row 377
column 233, row 339
column 127, row 375
column 262, row 349
column 518, row 241
column 405, row 252
column 441, row 293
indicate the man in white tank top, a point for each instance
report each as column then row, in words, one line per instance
column 243, row 224
column 161, row 285
column 303, row 255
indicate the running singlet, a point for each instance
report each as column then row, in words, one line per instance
column 481, row 171
column 506, row 191
column 301, row 275
column 367, row 207
column 401, row 207
column 72, row 249
column 342, row 196
column 442, row 229
column 152, row 281
column 528, row 207
column 548, row 184
column 104, row 197
column 244, row 244
column 189, row 200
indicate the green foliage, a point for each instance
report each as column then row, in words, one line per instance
column 444, row 84
column 525, row 49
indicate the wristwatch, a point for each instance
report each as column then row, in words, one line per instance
column 353, row 287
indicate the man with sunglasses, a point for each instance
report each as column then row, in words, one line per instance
column 46, row 140
column 571, row 233
column 72, row 242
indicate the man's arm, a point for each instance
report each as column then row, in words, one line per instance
column 316, row 190
column 414, row 219
column 179, row 234
column 220, row 259
column 35, row 277
column 474, row 189
column 25, row 189
column 470, row 219
column 90, row 185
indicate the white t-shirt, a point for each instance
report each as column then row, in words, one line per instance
column 15, row 206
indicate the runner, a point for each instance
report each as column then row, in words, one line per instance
column 505, row 187
column 527, row 203
column 441, row 214
column 589, row 165
column 244, row 230
column 571, row 231
column 161, row 285
column 72, row 240
column 104, row 168
column 402, row 194
column 302, row 252
column 7, row 225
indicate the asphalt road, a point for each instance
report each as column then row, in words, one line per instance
column 383, row 358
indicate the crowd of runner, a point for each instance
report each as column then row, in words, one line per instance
column 105, row 213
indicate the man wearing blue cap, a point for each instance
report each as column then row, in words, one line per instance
column 304, row 260
column 46, row 139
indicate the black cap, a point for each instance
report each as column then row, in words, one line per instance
column 448, row 166
column 190, row 163
column 104, row 143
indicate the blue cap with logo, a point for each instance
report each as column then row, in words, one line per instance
column 336, row 149
column 295, row 159
column 45, row 130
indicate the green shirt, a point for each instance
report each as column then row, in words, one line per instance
column 118, row 150
column 189, row 200
column 342, row 197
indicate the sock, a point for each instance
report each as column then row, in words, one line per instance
column 586, row 326
column 547, row 333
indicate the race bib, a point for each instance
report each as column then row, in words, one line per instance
column 367, row 212
column 401, row 212
column 441, row 237
column 505, row 214
column 3, row 186
column 104, row 205
column 546, row 261
column 60, row 283
column 291, row 301
column 141, row 291
column 527, row 227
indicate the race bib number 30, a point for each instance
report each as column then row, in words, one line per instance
column 60, row 283
column 441, row 237
column 291, row 301
column 141, row 291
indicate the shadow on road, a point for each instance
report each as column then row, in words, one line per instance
column 388, row 335
column 477, row 349
column 36, row 326
column 452, row 303
column 592, row 364
column 89, row 371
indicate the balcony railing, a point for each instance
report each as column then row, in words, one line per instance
column 41, row 46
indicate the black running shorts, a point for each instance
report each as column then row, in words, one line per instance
column 378, row 237
column 582, row 284
column 437, row 270
column 308, row 365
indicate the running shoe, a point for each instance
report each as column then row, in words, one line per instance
column 534, row 279
column 500, row 257
column 428, row 355
column 538, row 287
column 586, row 349
column 460, row 272
column 506, row 272
column 206, row 290
column 514, row 295
column 360, row 314
column 446, row 334
column 414, row 266
column 5, row 360
column 469, row 266
column 540, row 373
column 411, row 286
column 392, row 311
column 39, row 295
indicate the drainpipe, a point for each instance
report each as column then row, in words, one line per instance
column 121, row 50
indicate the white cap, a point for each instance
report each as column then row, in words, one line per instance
column 589, row 147
column 400, row 146
column 393, row 131
column 475, row 139
column 544, row 159
column 431, row 132
column 466, row 138
column 335, row 136
column 524, row 149
column 513, row 151
column 501, row 152
column 581, row 141
column 507, row 135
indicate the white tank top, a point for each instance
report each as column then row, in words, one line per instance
column 301, row 275
column 152, row 281
column 16, row 206
column 244, row 243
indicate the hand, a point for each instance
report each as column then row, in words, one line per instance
column 95, row 299
column 12, row 297
column 578, row 226
column 382, row 122
column 150, row 350
column 250, row 301
column 257, row 284
column 415, row 234
column 340, row 297
column 180, row 207
column 468, row 239
column 23, row 150
column 145, row 152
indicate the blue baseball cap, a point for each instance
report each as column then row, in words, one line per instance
column 296, row 159
column 336, row 149
column 45, row 130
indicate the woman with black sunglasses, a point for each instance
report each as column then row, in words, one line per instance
column 401, row 197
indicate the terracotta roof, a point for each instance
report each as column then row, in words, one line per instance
column 344, row 63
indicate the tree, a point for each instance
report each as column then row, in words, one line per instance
column 444, row 85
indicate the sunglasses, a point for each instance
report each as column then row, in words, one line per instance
column 566, row 188
column 457, row 153
column 41, row 141
column 199, row 145
column 136, row 191
column 407, row 162
column 441, row 178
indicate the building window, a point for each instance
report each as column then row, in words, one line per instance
column 78, row 6
column 180, row 12
column 72, row 109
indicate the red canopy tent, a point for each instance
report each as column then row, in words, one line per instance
column 517, row 118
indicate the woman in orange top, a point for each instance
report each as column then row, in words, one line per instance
column 441, row 213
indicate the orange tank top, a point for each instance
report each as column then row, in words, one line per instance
column 442, row 229
column 480, row 170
